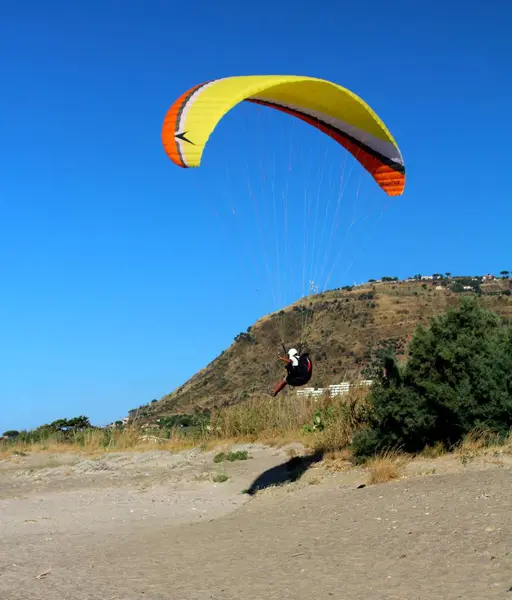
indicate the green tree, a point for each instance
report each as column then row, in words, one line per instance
column 11, row 434
column 458, row 377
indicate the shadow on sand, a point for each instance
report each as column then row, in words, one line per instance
column 288, row 472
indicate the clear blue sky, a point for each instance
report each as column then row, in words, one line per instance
column 122, row 275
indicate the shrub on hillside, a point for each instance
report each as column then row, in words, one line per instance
column 458, row 378
column 186, row 420
column 11, row 434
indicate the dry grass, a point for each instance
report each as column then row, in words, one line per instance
column 433, row 451
column 345, row 421
column 284, row 420
column 264, row 417
column 506, row 447
column 96, row 441
column 476, row 441
column 386, row 467
column 311, row 478
column 291, row 452
column 276, row 422
column 338, row 460
column 480, row 442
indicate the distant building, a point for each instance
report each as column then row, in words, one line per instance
column 338, row 389
column 314, row 392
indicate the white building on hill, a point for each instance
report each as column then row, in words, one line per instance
column 338, row 389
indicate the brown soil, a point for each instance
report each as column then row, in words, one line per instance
column 156, row 526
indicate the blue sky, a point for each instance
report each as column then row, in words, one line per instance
column 122, row 275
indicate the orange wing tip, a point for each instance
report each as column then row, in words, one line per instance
column 169, row 128
column 391, row 181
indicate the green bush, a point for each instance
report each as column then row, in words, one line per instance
column 61, row 430
column 458, row 378
column 184, row 420
column 231, row 456
column 238, row 455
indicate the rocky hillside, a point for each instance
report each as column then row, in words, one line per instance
column 343, row 327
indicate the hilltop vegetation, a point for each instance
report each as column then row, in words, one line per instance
column 347, row 330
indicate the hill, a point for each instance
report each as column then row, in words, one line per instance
column 344, row 328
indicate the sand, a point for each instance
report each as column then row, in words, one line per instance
column 155, row 525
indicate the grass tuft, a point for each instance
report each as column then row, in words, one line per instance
column 385, row 467
column 434, row 451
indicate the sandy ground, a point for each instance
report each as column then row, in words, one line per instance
column 156, row 526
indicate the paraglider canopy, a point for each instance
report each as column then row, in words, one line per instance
column 334, row 110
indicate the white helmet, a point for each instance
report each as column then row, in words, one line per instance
column 294, row 356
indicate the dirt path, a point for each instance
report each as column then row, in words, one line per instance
column 155, row 526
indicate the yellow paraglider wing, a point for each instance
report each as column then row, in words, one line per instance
column 332, row 109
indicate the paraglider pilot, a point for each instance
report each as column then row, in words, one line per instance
column 300, row 369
